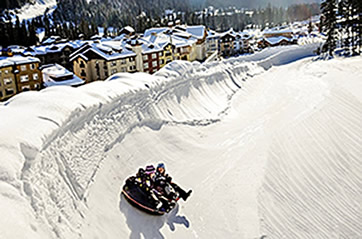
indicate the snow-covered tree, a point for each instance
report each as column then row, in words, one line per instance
column 329, row 22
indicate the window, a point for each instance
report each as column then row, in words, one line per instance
column 114, row 63
column 154, row 55
column 83, row 73
column 123, row 61
column 35, row 76
column 8, row 81
column 6, row 72
column 133, row 68
column 132, row 59
column 114, row 71
column 9, row 91
column 24, row 78
column 154, row 63
column 145, row 57
column 160, row 53
column 124, row 69
column 23, row 68
column 145, row 66
column 1, row 94
column 32, row 66
column 36, row 86
column 0, row 73
column 82, row 64
column 162, row 62
column 25, row 88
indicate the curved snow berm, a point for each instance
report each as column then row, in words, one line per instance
column 53, row 143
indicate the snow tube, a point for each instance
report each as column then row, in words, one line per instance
column 137, row 197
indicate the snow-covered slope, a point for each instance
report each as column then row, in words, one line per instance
column 267, row 148
column 37, row 8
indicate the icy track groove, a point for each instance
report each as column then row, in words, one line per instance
column 52, row 170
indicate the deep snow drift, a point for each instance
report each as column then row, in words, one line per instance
column 269, row 148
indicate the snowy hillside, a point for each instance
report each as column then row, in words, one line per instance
column 30, row 11
column 270, row 146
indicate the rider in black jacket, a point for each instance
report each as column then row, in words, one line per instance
column 162, row 180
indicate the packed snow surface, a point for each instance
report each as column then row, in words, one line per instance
column 270, row 144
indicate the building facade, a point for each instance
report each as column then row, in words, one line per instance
column 27, row 73
column 19, row 74
column 92, row 63
column 227, row 44
column 7, row 79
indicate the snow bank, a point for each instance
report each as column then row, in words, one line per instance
column 54, row 142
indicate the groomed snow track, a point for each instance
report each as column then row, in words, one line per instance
column 59, row 145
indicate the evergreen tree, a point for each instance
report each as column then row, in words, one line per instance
column 310, row 27
column 23, row 34
column 344, row 25
column 356, row 23
column 329, row 20
column 32, row 37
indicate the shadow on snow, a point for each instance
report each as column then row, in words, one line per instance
column 149, row 226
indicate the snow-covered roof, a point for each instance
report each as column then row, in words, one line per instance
column 163, row 40
column 196, row 31
column 181, row 42
column 52, row 48
column 148, row 46
column 20, row 60
column 51, row 40
column 129, row 29
column 55, row 74
column 277, row 40
column 278, row 30
column 96, row 37
column 105, row 51
column 4, row 62
column 229, row 32
column 155, row 30
column 182, row 34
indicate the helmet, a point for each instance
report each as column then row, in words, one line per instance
column 161, row 165
column 150, row 169
column 140, row 172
